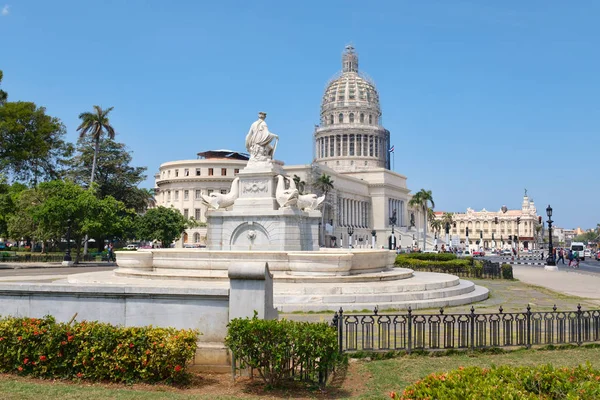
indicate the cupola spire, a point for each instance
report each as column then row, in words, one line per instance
column 349, row 60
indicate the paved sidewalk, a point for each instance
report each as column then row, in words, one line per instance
column 565, row 280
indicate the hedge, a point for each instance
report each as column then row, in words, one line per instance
column 97, row 351
column 507, row 382
column 430, row 256
column 507, row 271
column 463, row 266
column 280, row 349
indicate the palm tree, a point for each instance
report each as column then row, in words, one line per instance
column 300, row 184
column 325, row 184
column 95, row 124
column 421, row 200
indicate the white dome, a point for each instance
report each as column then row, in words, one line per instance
column 350, row 91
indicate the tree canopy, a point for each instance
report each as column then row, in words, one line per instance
column 32, row 148
column 162, row 224
column 114, row 176
column 3, row 94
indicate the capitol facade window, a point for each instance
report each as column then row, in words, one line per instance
column 341, row 118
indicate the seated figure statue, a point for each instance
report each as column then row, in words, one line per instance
column 258, row 140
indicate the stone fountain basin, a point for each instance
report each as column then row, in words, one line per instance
column 324, row 262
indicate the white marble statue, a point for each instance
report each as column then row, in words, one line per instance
column 217, row 200
column 285, row 197
column 258, row 140
column 307, row 202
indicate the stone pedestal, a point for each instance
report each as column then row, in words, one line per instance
column 251, row 289
column 256, row 222
column 286, row 229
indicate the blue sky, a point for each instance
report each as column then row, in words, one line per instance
column 483, row 99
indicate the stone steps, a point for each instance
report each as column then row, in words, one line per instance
column 463, row 293
column 421, row 281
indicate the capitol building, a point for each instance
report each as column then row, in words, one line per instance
column 351, row 147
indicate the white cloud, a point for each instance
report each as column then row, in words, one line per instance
column 5, row 10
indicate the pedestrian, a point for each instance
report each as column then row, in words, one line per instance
column 561, row 256
column 570, row 257
column 111, row 253
column 576, row 258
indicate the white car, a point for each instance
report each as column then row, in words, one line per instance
column 587, row 253
column 132, row 247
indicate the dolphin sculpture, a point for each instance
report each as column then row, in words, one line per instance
column 285, row 197
column 218, row 200
column 307, row 202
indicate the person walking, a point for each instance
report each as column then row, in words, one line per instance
column 561, row 256
column 570, row 257
column 576, row 258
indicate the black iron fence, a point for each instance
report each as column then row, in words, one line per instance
column 431, row 332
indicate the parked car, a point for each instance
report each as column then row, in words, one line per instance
column 587, row 253
column 431, row 251
column 507, row 252
column 478, row 253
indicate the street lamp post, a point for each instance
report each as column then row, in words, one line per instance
column 467, row 241
column 550, row 259
column 350, row 233
column 392, row 244
column 517, row 237
column 67, row 260
column 480, row 239
column 373, row 238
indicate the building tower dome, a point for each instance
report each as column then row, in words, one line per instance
column 350, row 136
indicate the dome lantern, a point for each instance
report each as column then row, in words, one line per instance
column 349, row 60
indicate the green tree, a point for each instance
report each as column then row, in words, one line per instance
column 8, row 203
column 114, row 176
column 88, row 215
column 421, row 200
column 447, row 218
column 325, row 184
column 96, row 124
column 3, row 94
column 31, row 144
column 300, row 184
column 162, row 224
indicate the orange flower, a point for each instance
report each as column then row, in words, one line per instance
column 178, row 368
column 392, row 395
column 20, row 338
column 42, row 358
column 147, row 351
column 25, row 361
column 20, row 369
column 130, row 345
column 79, row 374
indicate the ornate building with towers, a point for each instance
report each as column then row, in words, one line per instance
column 368, row 203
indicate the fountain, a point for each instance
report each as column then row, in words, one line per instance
column 264, row 218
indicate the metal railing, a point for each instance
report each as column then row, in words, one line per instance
column 431, row 332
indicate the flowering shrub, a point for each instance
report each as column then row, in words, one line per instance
column 278, row 349
column 507, row 382
column 93, row 350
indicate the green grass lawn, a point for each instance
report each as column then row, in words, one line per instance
column 395, row 374
column 364, row 379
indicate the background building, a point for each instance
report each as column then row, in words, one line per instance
column 351, row 147
column 496, row 229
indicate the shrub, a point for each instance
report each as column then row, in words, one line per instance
column 92, row 350
column 507, row 271
column 508, row 382
column 430, row 256
column 278, row 349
